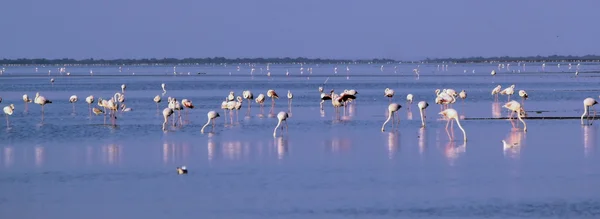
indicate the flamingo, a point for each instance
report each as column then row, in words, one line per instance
column 325, row 97
column 515, row 106
column 261, row 101
column 290, row 96
column 273, row 96
column 451, row 92
column 166, row 113
column 157, row 100
column 493, row 72
column 351, row 93
column 247, row 94
column 392, row 109
column 187, row 104
column 409, row 99
column 281, row 116
column 177, row 106
column 123, row 88
column 422, row 106
column 523, row 94
column 72, row 100
column 231, row 96
column 463, row 95
column 452, row 114
column 8, row 111
column 42, row 101
column 238, row 106
column 89, row 100
column 230, row 106
column 508, row 91
column 163, row 88
column 26, row 100
column 212, row 115
column 389, row 93
column 97, row 111
column 336, row 101
column 496, row 91
column 52, row 81
column 587, row 103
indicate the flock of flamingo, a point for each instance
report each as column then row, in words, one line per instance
column 445, row 98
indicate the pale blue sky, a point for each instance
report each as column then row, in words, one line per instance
column 398, row 29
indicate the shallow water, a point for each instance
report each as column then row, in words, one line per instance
column 74, row 166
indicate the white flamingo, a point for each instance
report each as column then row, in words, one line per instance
column 452, row 114
column 389, row 93
column 157, row 100
column 392, row 112
column 508, row 91
column 587, row 103
column 281, row 116
column 496, row 91
column 166, row 113
column 515, row 107
column 422, row 106
column 73, row 100
column 123, row 88
column 89, row 100
column 290, row 96
column 212, row 115
column 42, row 101
column 26, row 100
column 8, row 111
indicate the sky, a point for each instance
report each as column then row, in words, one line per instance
column 353, row 29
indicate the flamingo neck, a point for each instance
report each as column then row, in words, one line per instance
column 461, row 128
column 585, row 112
column 422, row 118
column 275, row 130
column 207, row 122
column 386, row 121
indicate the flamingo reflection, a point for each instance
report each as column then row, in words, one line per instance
column 392, row 144
column 589, row 139
column 112, row 153
column 513, row 143
column 232, row 150
column 39, row 156
column 212, row 147
column 422, row 139
column 282, row 147
column 452, row 152
column 8, row 156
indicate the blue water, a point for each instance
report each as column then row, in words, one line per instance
column 71, row 165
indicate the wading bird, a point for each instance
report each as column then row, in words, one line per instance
column 587, row 103
column 392, row 112
column 389, row 93
column 422, row 106
column 8, row 111
column 212, row 115
column 515, row 107
column 452, row 114
column 281, row 116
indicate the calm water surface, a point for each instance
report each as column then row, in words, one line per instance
column 71, row 165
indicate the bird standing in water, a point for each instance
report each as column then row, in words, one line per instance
column 182, row 170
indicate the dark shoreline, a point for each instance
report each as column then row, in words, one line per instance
column 222, row 60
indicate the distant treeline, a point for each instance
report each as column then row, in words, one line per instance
column 287, row 60
column 553, row 58
column 190, row 61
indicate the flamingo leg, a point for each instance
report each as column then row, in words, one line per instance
column 593, row 117
column 6, row 120
column 286, row 126
column 42, row 112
